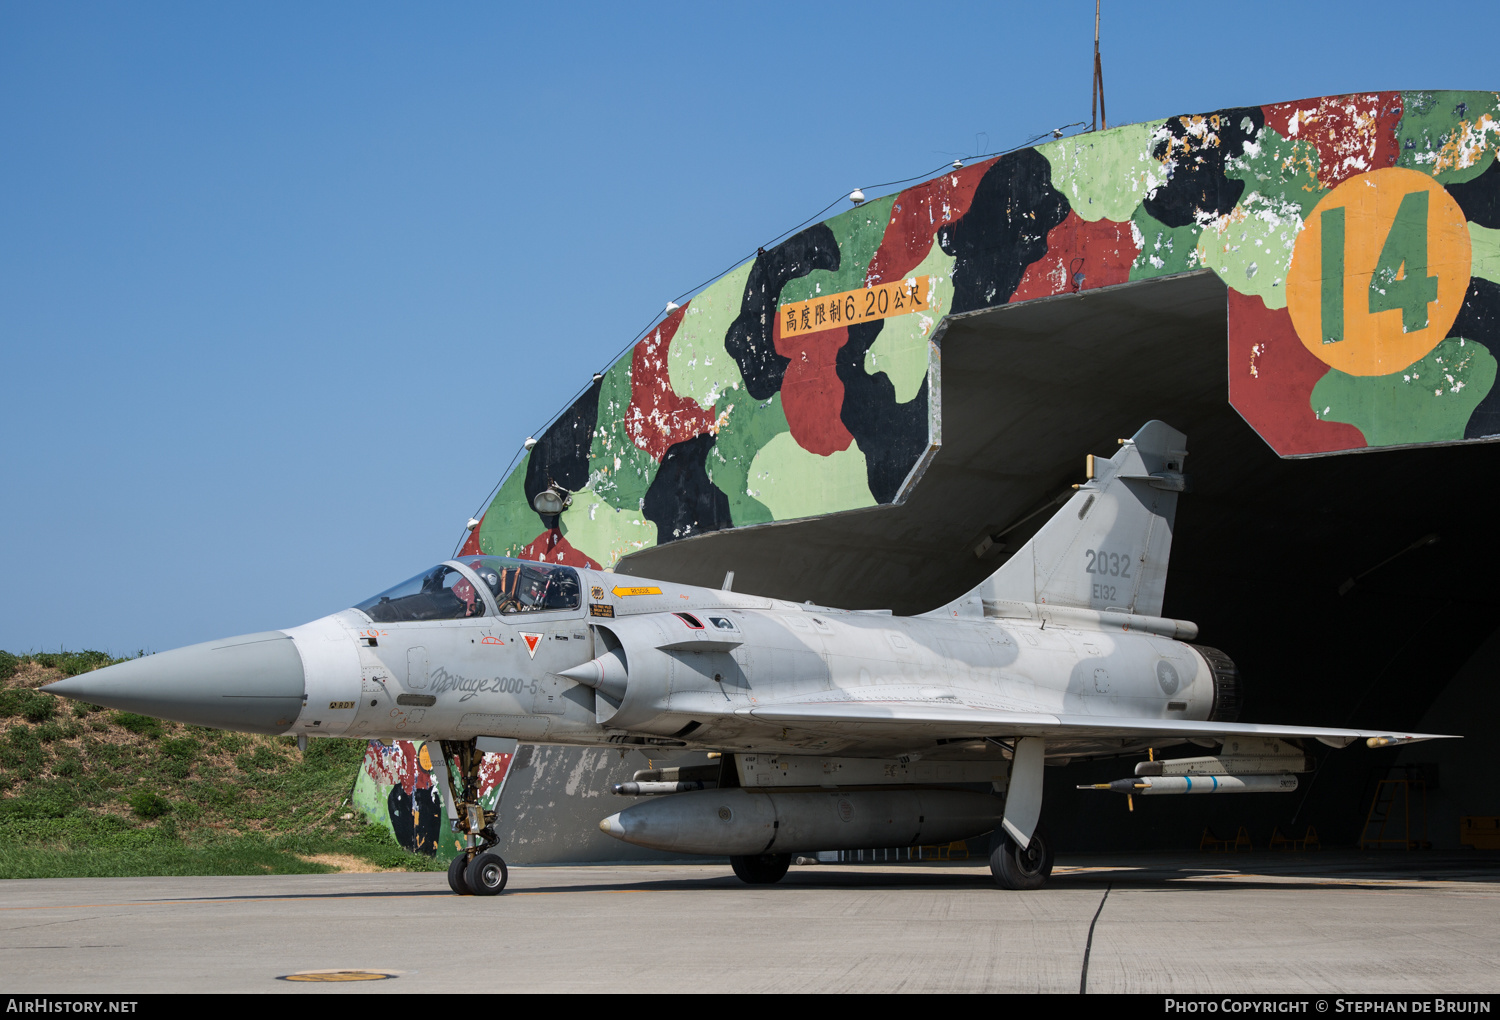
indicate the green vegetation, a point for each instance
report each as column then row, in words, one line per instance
column 145, row 725
column 72, row 663
column 89, row 792
column 148, row 804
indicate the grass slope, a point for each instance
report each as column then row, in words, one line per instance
column 86, row 791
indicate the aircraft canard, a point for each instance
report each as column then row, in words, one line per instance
column 836, row 729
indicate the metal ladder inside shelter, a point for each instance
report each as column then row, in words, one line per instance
column 1397, row 818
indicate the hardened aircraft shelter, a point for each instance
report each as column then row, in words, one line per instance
column 876, row 411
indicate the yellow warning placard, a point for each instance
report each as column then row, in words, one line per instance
column 850, row 307
column 625, row 592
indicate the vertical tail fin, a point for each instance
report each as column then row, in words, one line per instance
column 1107, row 548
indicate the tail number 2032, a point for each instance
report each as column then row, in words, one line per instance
column 1107, row 564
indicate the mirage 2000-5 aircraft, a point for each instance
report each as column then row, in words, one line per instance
column 834, row 729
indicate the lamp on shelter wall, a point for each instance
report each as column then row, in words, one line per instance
column 552, row 500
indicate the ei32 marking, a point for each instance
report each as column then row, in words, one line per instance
column 1103, row 563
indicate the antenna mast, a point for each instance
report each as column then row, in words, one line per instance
column 1099, row 118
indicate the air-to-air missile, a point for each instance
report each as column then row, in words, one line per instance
column 832, row 729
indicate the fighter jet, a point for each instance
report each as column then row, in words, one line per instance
column 831, row 729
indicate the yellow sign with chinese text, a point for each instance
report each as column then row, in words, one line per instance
column 851, row 307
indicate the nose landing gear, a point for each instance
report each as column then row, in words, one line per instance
column 476, row 871
column 486, row 874
column 457, row 875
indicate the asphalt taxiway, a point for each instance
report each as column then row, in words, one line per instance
column 1214, row 923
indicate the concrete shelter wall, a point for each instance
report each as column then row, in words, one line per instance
column 808, row 380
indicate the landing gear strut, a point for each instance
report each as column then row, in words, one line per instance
column 476, row 871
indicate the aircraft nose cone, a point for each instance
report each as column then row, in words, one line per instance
column 613, row 826
column 253, row 683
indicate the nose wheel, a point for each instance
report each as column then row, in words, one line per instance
column 457, row 878
column 477, row 871
column 486, row 874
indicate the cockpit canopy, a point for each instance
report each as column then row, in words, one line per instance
column 521, row 586
column 448, row 593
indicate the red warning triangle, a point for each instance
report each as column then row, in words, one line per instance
column 532, row 640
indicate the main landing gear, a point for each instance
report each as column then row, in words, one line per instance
column 1015, row 868
column 477, row 871
column 761, row 869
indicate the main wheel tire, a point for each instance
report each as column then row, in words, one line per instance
column 456, row 880
column 486, row 875
column 761, row 869
column 1015, row 868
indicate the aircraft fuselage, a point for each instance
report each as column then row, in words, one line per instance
column 699, row 663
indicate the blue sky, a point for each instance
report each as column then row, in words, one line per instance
column 283, row 286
